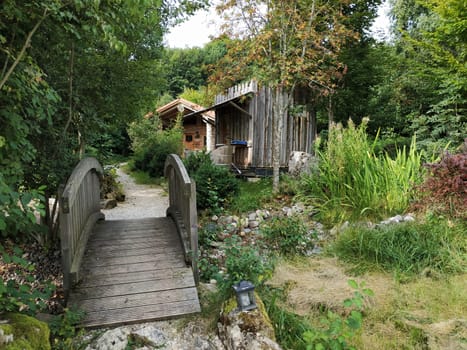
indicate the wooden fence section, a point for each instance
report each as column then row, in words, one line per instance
column 182, row 208
column 79, row 211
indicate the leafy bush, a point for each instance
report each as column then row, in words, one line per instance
column 20, row 294
column 289, row 235
column 244, row 262
column 445, row 187
column 17, row 210
column 63, row 329
column 335, row 331
column 354, row 181
column 409, row 248
column 339, row 331
column 215, row 185
column 151, row 145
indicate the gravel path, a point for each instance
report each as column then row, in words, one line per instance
column 141, row 201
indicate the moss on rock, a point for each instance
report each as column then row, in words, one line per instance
column 28, row 333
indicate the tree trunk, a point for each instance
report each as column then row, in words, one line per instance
column 281, row 102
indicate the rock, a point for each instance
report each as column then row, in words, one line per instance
column 225, row 220
column 108, row 204
column 247, row 330
column 253, row 224
column 409, row 218
column 24, row 332
column 149, row 335
column 214, row 218
column 251, row 216
column 114, row 339
column 300, row 162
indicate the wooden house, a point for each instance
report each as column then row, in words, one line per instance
column 244, row 133
column 198, row 129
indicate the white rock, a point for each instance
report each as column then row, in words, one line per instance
column 114, row 339
column 151, row 334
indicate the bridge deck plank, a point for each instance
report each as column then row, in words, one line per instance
column 134, row 271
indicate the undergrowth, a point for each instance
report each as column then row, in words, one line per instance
column 436, row 245
column 354, row 182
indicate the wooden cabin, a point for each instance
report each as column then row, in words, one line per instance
column 243, row 119
column 198, row 129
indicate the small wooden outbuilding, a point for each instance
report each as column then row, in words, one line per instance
column 244, row 132
column 198, row 129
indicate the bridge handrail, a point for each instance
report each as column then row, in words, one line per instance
column 79, row 211
column 182, row 208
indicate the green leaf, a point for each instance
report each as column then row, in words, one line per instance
column 353, row 284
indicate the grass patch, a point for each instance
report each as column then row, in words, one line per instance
column 355, row 182
column 252, row 195
column 142, row 177
column 436, row 245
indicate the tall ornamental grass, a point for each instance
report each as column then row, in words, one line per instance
column 353, row 181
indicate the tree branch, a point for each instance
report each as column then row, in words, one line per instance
column 27, row 43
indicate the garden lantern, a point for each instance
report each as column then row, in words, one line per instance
column 245, row 295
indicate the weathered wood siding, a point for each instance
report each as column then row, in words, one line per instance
column 233, row 124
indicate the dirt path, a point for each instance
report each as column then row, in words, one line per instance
column 141, row 201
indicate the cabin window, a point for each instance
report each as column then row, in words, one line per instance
column 205, row 140
column 188, row 138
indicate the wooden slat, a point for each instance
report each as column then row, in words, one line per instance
column 137, row 276
column 136, row 314
column 130, row 268
column 140, row 299
column 134, row 271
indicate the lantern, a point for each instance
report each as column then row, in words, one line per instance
column 245, row 294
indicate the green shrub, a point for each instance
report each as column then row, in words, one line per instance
column 408, row 248
column 215, row 185
column 151, row 145
column 63, row 329
column 22, row 294
column 17, row 209
column 289, row 235
column 244, row 262
column 353, row 181
column 337, row 331
column 334, row 332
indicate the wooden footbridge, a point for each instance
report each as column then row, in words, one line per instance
column 128, row 271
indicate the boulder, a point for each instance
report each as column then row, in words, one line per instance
column 24, row 333
column 301, row 162
column 246, row 330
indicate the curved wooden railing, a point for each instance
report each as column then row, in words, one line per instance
column 182, row 208
column 79, row 211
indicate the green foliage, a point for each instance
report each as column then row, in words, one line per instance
column 17, row 210
column 110, row 184
column 437, row 245
column 151, row 145
column 338, row 331
column 63, row 330
column 288, row 235
column 354, row 182
column 244, row 262
column 334, row 332
column 251, row 196
column 21, row 294
column 445, row 187
column 215, row 185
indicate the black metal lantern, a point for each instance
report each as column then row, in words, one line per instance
column 245, row 292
